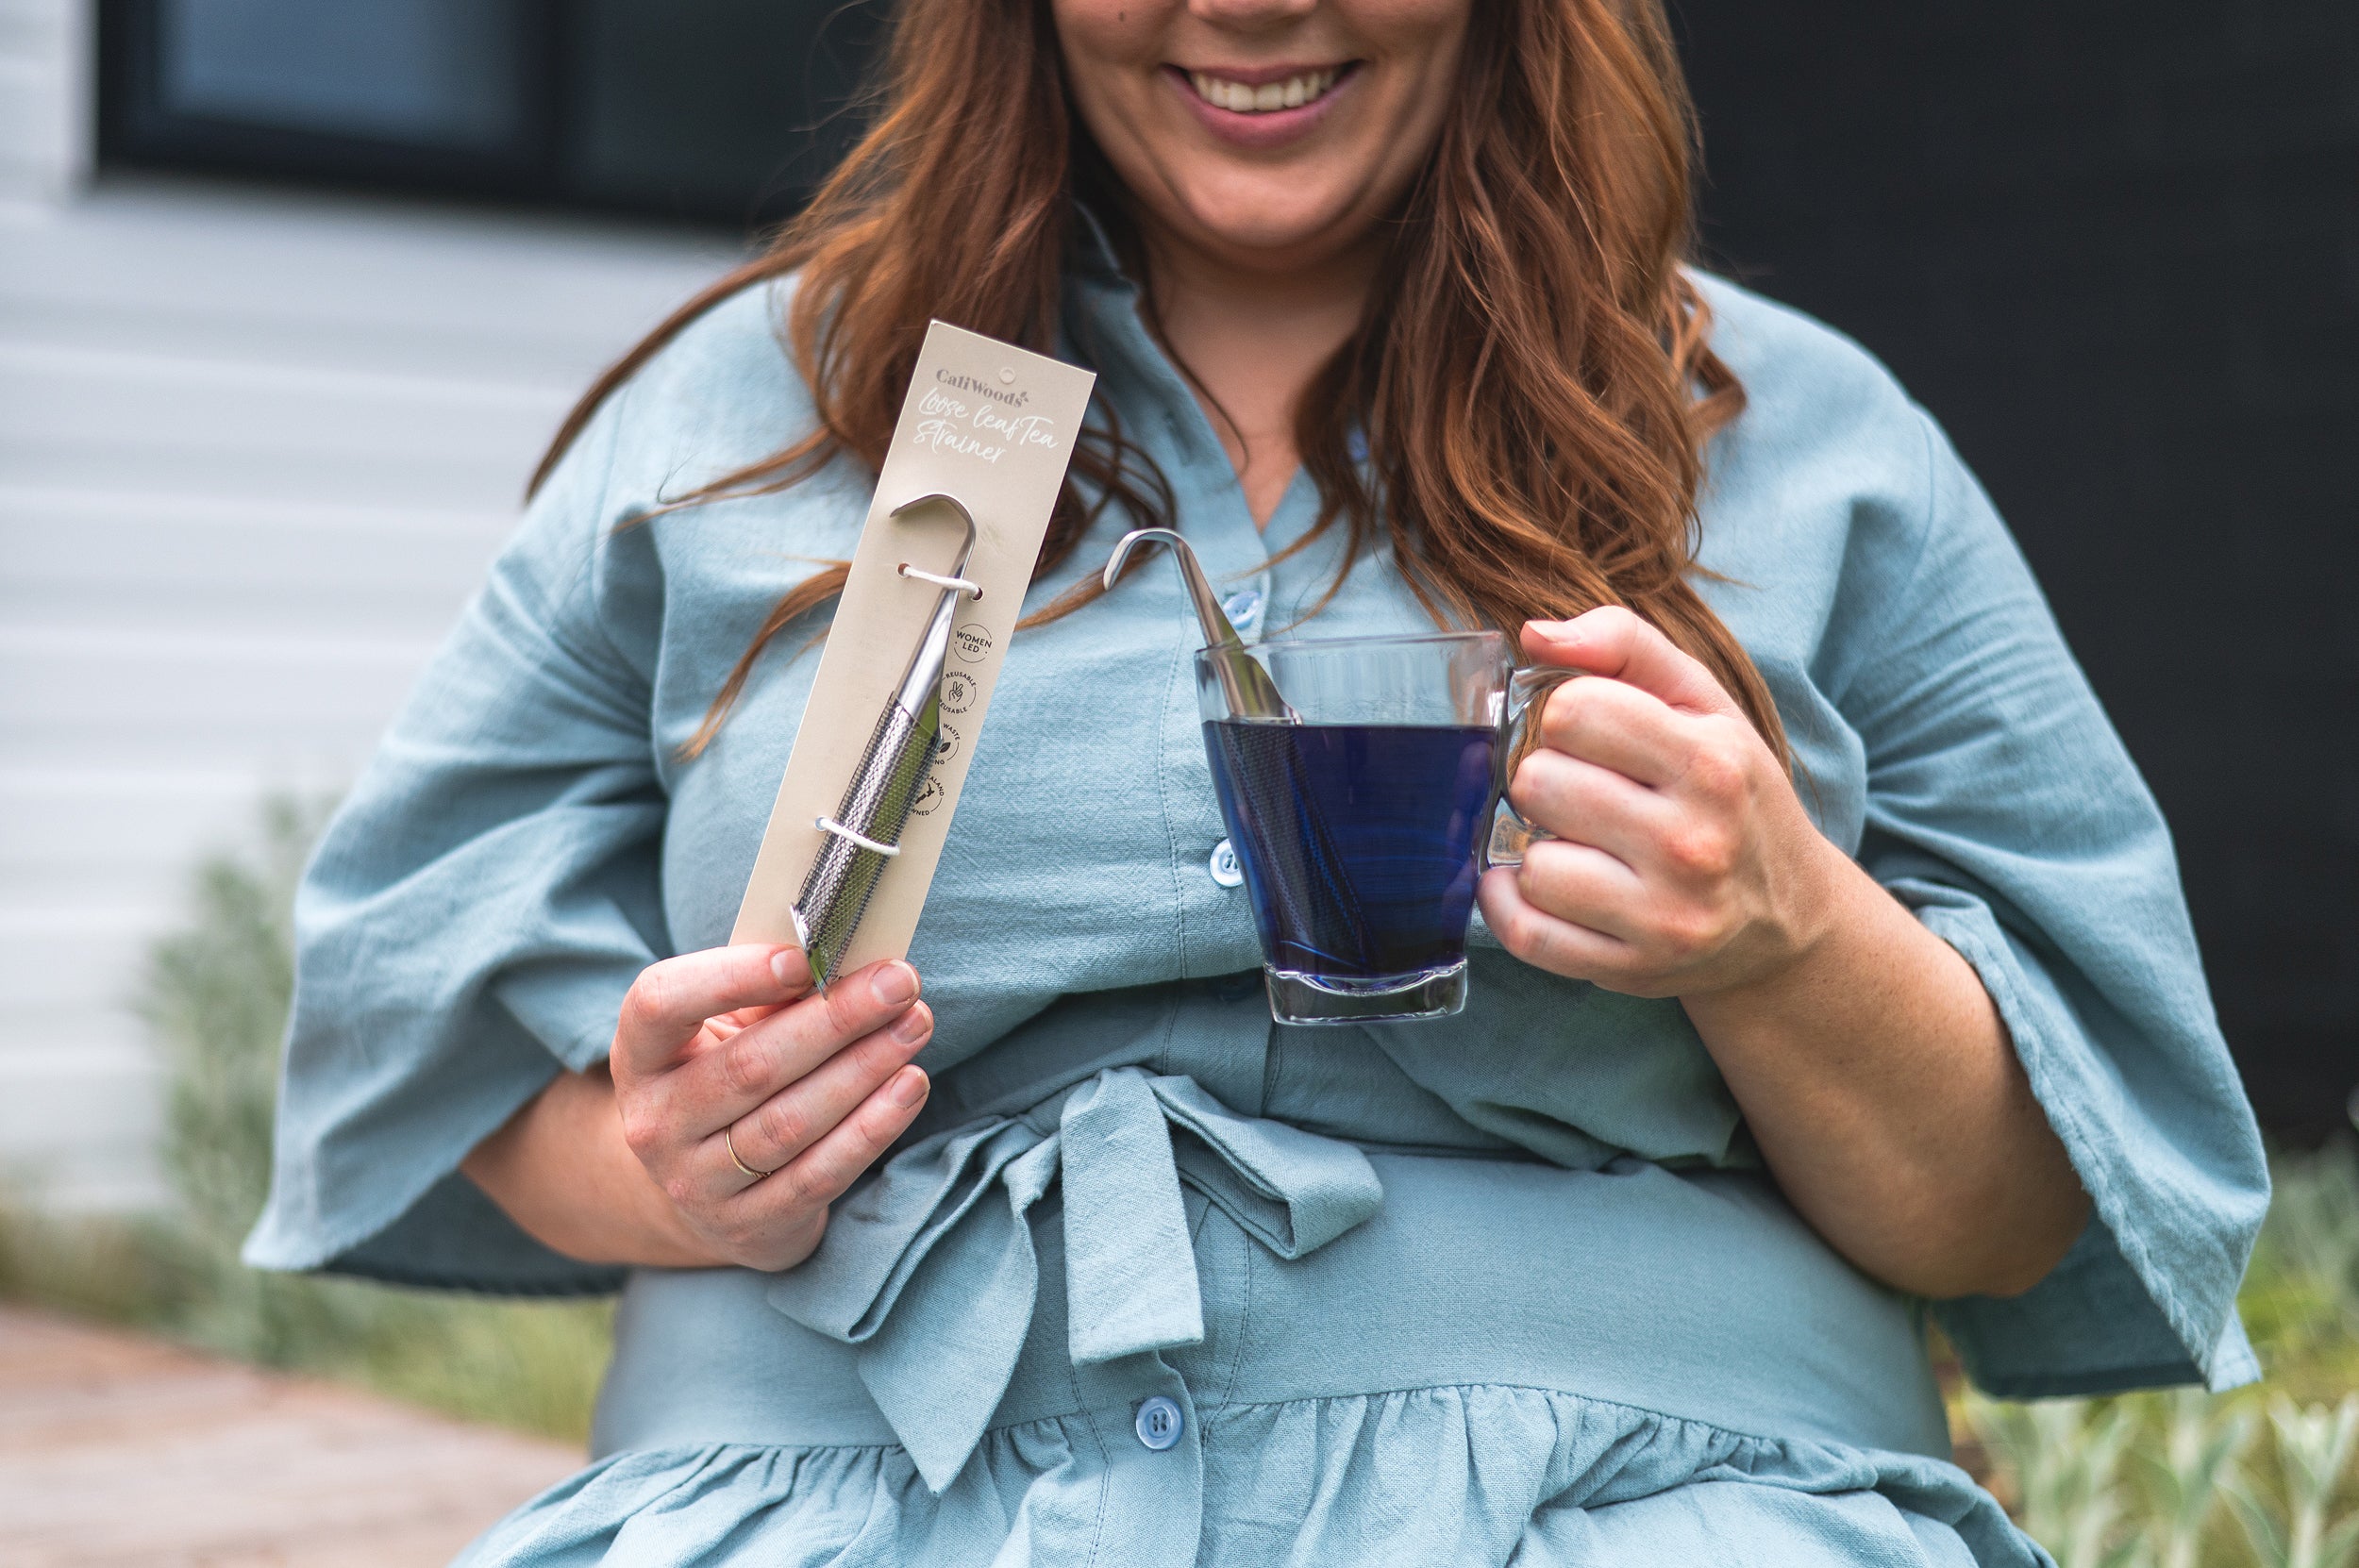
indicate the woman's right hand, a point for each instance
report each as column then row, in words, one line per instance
column 726, row 1061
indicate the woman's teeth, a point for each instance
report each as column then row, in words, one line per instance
column 1238, row 98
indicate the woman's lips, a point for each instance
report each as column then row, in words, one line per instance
column 1298, row 97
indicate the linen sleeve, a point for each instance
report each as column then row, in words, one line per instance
column 2004, row 810
column 476, row 910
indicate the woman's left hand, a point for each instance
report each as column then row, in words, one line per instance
column 1682, row 861
column 1871, row 1066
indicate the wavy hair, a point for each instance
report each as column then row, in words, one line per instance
column 1533, row 376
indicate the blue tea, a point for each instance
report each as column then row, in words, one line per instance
column 1357, row 841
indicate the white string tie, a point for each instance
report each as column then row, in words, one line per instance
column 829, row 825
column 956, row 585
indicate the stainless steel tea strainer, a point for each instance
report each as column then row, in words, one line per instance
column 866, row 832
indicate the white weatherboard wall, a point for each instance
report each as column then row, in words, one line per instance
column 256, row 447
column 45, row 97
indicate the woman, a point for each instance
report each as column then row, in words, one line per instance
column 1858, row 979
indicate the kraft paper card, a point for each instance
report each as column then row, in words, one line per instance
column 994, row 426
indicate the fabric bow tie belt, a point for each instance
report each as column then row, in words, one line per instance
column 929, row 1271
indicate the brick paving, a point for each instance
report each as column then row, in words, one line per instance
column 118, row 1450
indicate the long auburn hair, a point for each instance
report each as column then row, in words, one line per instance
column 1533, row 376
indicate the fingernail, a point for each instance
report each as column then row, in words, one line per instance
column 894, row 984
column 790, row 966
column 909, row 1086
column 914, row 1025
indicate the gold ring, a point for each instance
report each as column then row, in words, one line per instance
column 729, row 1144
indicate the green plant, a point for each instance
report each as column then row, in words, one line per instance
column 2139, row 1482
column 2314, row 1449
column 2300, row 1300
column 2066, row 1460
column 2188, row 1473
column 215, row 996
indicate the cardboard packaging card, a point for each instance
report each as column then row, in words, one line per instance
column 994, row 426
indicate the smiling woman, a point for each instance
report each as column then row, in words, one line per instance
column 1852, row 984
column 1496, row 198
column 1345, row 101
column 1262, row 160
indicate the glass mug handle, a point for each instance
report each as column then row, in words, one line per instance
column 1528, row 690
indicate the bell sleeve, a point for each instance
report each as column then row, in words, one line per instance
column 2004, row 810
column 476, row 910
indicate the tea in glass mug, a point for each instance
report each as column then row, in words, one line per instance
column 1363, row 819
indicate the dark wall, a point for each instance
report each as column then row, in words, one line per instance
column 2114, row 248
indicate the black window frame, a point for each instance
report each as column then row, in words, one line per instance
column 136, row 127
column 557, row 88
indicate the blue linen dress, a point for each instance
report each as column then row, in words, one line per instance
column 1154, row 1281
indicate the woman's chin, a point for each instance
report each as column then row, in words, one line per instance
column 1281, row 232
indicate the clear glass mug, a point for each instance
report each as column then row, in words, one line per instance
column 1363, row 830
